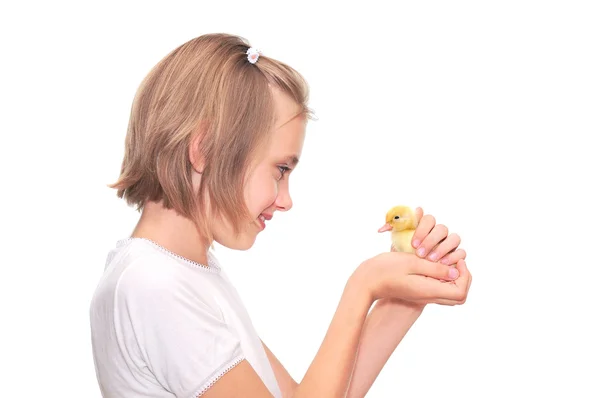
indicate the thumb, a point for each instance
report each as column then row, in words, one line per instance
column 418, row 214
column 434, row 270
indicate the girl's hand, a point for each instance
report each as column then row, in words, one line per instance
column 405, row 276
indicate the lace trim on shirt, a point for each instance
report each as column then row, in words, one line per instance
column 212, row 265
column 216, row 377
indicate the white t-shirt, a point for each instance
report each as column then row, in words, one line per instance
column 165, row 326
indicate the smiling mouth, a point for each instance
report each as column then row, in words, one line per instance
column 261, row 222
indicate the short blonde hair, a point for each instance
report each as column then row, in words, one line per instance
column 205, row 86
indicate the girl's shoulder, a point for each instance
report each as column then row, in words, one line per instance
column 140, row 271
column 160, row 311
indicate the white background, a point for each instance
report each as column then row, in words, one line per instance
column 483, row 113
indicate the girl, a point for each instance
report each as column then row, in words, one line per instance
column 215, row 132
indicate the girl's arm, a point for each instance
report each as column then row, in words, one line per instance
column 329, row 373
column 387, row 275
column 286, row 382
column 385, row 327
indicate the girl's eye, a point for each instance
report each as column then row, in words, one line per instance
column 282, row 170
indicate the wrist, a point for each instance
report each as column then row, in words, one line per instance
column 395, row 307
column 359, row 284
column 371, row 276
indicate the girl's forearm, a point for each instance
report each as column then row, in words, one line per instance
column 385, row 327
column 329, row 373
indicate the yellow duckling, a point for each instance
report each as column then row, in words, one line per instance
column 402, row 221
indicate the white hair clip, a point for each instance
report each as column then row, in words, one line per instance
column 253, row 54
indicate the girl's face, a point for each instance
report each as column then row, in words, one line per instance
column 267, row 187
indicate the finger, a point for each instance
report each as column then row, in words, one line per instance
column 453, row 257
column 446, row 246
column 442, row 302
column 463, row 282
column 418, row 214
column 445, row 302
column 430, row 290
column 423, row 228
column 437, row 234
column 433, row 270
column 439, row 301
column 435, row 300
column 461, row 266
column 455, row 291
column 392, row 248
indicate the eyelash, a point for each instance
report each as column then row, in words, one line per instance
column 283, row 170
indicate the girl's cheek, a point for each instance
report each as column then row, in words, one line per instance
column 274, row 193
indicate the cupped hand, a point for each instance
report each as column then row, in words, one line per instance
column 404, row 276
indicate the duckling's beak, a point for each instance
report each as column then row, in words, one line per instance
column 386, row 227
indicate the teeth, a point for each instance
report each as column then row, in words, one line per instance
column 262, row 218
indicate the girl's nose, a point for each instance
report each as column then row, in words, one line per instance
column 284, row 200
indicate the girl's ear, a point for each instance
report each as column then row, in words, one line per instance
column 195, row 153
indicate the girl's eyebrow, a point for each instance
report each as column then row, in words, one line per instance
column 292, row 160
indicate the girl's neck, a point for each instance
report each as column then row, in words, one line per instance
column 172, row 231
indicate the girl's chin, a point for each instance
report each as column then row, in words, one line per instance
column 244, row 242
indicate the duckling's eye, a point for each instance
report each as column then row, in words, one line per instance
column 396, row 217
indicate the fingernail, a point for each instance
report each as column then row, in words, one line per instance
column 453, row 273
column 416, row 243
column 433, row 256
column 445, row 261
column 421, row 252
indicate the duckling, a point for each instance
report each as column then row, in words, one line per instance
column 402, row 221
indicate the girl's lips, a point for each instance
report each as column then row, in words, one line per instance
column 262, row 218
column 267, row 216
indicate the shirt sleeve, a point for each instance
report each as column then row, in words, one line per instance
column 174, row 330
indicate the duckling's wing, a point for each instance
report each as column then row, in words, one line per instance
column 402, row 240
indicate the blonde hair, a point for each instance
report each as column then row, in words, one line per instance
column 206, row 86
